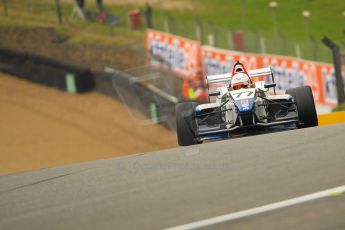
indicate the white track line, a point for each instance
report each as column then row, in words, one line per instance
column 266, row 208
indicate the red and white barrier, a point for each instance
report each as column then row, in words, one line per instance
column 186, row 57
column 180, row 54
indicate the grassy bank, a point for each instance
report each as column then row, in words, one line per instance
column 254, row 18
column 339, row 108
column 42, row 13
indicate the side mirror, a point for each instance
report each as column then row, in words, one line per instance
column 213, row 93
column 270, row 85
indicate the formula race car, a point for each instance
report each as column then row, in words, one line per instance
column 239, row 106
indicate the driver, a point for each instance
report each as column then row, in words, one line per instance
column 240, row 78
column 239, row 81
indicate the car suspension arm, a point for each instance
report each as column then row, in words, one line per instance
column 216, row 110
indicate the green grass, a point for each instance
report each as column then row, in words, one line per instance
column 222, row 15
column 43, row 13
column 325, row 17
column 339, row 108
column 216, row 16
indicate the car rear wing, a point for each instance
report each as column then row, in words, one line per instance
column 222, row 78
column 260, row 72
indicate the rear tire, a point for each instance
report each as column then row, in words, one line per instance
column 305, row 106
column 184, row 123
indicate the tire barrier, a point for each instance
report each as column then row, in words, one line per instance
column 45, row 71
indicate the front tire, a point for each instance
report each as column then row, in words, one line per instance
column 184, row 123
column 305, row 106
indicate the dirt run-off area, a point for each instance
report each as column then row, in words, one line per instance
column 42, row 127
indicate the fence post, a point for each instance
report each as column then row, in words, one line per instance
column 210, row 40
column 230, row 39
column 172, row 24
column 315, row 48
column 214, row 29
column 216, row 37
column 5, row 7
column 202, row 32
column 166, row 25
column 283, row 39
column 263, row 45
column 298, row 51
column 257, row 40
column 58, row 11
column 337, row 67
column 148, row 15
column 198, row 32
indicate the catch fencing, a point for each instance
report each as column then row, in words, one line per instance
column 205, row 32
column 144, row 96
column 249, row 41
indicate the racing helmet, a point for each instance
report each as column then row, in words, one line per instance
column 239, row 81
column 238, row 68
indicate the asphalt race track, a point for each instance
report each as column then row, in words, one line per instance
column 178, row 186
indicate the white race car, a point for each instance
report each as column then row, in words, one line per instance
column 238, row 106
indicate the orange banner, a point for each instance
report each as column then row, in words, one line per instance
column 180, row 54
column 289, row 72
column 187, row 58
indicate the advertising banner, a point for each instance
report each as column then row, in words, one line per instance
column 288, row 72
column 189, row 59
column 180, row 54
